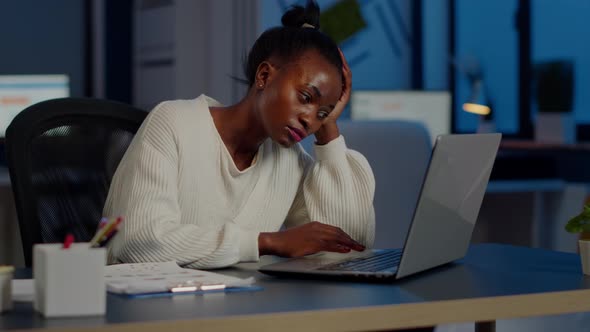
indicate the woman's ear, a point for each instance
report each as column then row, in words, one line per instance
column 264, row 74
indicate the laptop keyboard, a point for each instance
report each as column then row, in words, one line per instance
column 377, row 262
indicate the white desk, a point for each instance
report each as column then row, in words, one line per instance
column 493, row 282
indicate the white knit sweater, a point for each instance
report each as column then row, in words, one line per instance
column 183, row 198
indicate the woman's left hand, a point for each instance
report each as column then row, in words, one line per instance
column 329, row 130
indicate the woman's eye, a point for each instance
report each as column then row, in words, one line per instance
column 305, row 98
column 322, row 115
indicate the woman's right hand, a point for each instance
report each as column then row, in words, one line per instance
column 305, row 240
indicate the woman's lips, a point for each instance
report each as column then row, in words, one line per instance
column 296, row 134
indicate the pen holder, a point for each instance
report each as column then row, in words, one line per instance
column 6, row 273
column 69, row 282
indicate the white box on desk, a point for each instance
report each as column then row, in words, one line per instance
column 69, row 282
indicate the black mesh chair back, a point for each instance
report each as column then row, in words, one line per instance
column 62, row 155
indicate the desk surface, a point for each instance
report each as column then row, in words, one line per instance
column 492, row 282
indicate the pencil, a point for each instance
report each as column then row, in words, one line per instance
column 101, row 232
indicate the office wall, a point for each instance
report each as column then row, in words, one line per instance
column 184, row 48
column 44, row 37
column 435, row 44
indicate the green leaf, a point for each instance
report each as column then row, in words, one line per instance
column 579, row 223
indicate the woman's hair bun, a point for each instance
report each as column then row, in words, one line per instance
column 297, row 16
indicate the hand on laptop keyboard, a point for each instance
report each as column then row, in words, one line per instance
column 305, row 240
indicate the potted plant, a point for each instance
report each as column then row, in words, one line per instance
column 581, row 224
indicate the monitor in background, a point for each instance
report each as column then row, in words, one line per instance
column 17, row 92
column 432, row 108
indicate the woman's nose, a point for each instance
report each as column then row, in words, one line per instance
column 309, row 121
column 304, row 121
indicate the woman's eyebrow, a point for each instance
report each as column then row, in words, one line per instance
column 318, row 93
column 316, row 90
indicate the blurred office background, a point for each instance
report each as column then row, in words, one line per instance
column 526, row 60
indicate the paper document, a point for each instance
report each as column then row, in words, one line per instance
column 141, row 278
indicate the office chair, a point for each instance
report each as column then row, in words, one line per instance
column 62, row 154
column 398, row 152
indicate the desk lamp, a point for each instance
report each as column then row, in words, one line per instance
column 479, row 104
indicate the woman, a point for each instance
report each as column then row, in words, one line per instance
column 209, row 185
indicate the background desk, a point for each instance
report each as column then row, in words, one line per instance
column 534, row 189
column 492, row 282
column 521, row 160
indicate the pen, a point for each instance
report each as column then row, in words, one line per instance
column 105, row 240
column 69, row 239
column 193, row 286
column 104, row 231
column 113, row 228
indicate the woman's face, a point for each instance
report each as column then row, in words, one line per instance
column 297, row 96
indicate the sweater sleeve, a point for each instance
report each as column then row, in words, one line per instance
column 337, row 189
column 145, row 192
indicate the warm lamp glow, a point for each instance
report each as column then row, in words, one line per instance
column 476, row 108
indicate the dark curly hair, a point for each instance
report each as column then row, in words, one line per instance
column 300, row 32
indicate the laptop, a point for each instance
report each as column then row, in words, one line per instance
column 444, row 217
